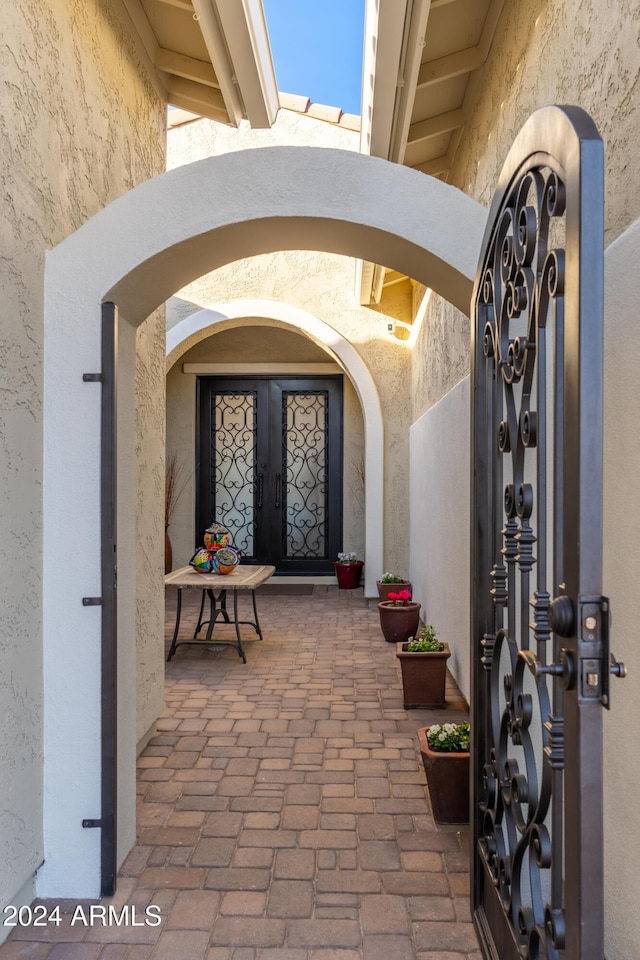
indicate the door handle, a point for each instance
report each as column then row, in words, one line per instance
column 278, row 479
column 260, row 489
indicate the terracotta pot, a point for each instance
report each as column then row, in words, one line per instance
column 447, row 780
column 348, row 574
column 424, row 677
column 398, row 622
column 168, row 551
column 384, row 589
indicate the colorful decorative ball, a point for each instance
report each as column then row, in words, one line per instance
column 225, row 560
column 202, row 561
column 216, row 536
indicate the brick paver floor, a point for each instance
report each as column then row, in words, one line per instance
column 283, row 812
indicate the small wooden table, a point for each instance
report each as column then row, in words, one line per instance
column 242, row 578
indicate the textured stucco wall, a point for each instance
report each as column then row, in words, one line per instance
column 581, row 52
column 149, row 494
column 266, row 344
column 80, row 123
column 322, row 284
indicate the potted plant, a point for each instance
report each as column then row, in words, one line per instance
column 348, row 570
column 445, row 755
column 423, row 663
column 399, row 616
column 390, row 583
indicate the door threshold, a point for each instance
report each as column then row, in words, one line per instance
column 327, row 580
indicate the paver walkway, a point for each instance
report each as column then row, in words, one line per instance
column 283, row 812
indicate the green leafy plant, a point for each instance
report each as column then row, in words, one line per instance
column 391, row 578
column 425, row 642
column 449, row 737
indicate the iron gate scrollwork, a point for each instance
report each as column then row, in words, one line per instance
column 539, row 620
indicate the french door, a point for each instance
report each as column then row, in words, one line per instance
column 270, row 468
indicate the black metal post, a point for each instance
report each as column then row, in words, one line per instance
column 108, row 491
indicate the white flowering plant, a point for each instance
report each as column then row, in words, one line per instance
column 347, row 557
column 449, row 737
column 391, row 578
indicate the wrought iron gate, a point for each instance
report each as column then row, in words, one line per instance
column 540, row 641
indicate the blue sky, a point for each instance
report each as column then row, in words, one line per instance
column 317, row 49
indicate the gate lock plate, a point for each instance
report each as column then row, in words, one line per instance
column 596, row 670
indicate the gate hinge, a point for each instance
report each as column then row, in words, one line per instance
column 92, row 377
column 92, row 601
column 91, row 823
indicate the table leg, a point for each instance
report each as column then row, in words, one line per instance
column 255, row 613
column 235, row 620
column 177, row 626
column 197, row 630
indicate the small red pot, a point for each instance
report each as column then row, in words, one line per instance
column 348, row 574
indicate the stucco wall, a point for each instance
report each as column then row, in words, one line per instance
column 322, row 284
column 257, row 342
column 581, row 52
column 440, row 505
column 81, row 123
column 621, row 577
column 149, row 498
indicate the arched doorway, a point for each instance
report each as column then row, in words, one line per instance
column 136, row 253
column 202, row 323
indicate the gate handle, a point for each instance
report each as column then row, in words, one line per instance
column 260, row 488
column 277, row 503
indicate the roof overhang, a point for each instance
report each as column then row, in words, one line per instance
column 421, row 73
column 211, row 57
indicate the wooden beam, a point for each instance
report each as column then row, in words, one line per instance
column 434, row 168
column 490, row 26
column 187, row 67
column 207, row 101
column 453, row 65
column 434, row 126
column 180, row 4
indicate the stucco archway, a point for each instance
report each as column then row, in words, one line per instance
column 137, row 252
column 348, row 357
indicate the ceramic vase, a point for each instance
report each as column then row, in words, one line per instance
column 399, row 621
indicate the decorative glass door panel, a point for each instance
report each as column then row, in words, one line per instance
column 233, row 442
column 270, row 467
column 304, row 451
